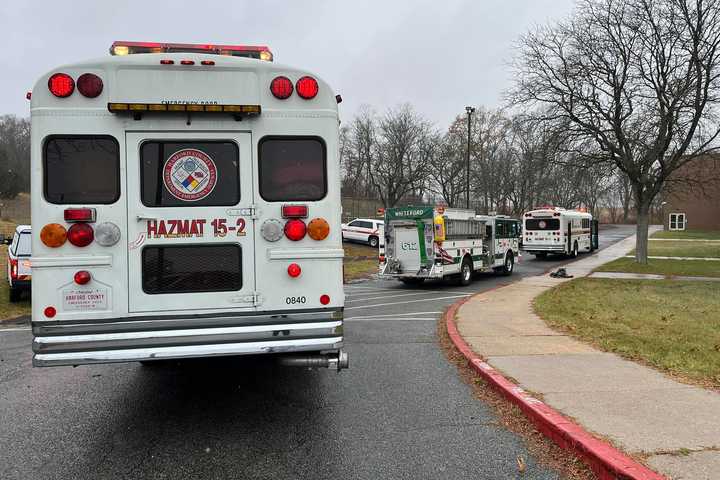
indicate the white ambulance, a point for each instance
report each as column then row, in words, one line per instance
column 185, row 203
column 421, row 243
column 557, row 230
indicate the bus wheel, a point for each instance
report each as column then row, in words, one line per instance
column 575, row 250
column 466, row 272
column 373, row 242
column 15, row 294
column 509, row 264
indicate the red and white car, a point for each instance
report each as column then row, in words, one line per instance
column 365, row 230
column 18, row 262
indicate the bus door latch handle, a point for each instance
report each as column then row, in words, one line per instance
column 142, row 216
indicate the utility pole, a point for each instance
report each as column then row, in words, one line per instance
column 470, row 111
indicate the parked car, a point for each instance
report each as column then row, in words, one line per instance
column 18, row 262
column 365, row 230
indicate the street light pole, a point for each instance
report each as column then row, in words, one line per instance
column 470, row 111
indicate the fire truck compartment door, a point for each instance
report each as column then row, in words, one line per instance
column 407, row 248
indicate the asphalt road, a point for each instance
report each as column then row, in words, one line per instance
column 400, row 411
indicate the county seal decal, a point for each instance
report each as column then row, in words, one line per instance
column 190, row 175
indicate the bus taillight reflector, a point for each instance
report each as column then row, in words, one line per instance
column 53, row 235
column 89, row 85
column 80, row 234
column 61, row 85
column 49, row 312
column 82, row 277
column 295, row 229
column 79, row 215
column 294, row 211
column 324, row 299
column 318, row 229
column 307, row 87
column 294, row 270
column 281, row 87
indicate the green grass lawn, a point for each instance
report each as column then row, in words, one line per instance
column 361, row 261
column 692, row 268
column 7, row 309
column 683, row 249
column 689, row 234
column 359, row 250
column 671, row 325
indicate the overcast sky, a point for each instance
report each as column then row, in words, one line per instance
column 438, row 56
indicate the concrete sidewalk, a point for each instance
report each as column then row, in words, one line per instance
column 674, row 427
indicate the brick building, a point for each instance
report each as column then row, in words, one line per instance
column 692, row 197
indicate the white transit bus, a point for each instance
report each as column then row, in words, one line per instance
column 185, row 203
column 556, row 230
column 420, row 243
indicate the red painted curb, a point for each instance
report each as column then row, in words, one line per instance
column 606, row 461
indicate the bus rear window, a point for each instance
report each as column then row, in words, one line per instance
column 542, row 224
column 292, row 169
column 190, row 174
column 81, row 170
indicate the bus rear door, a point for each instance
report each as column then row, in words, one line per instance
column 190, row 209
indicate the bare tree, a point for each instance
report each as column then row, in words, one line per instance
column 446, row 172
column 405, row 144
column 639, row 78
column 14, row 156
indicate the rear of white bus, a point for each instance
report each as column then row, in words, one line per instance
column 185, row 205
column 543, row 232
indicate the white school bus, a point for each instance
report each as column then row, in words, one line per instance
column 559, row 231
column 185, row 203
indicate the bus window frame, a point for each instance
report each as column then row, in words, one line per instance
column 292, row 137
column 118, row 185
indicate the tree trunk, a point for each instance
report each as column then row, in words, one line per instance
column 641, row 242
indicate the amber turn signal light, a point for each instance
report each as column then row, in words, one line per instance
column 318, row 229
column 53, row 235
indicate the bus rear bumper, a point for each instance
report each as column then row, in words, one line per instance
column 102, row 342
column 543, row 248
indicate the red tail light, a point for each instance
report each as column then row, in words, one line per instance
column 61, row 85
column 50, row 312
column 79, row 215
column 295, row 230
column 187, row 62
column 324, row 299
column 281, row 87
column 294, row 270
column 307, row 87
column 89, row 85
column 80, row 234
column 167, row 62
column 207, row 62
column 82, row 277
column 13, row 268
column 294, row 211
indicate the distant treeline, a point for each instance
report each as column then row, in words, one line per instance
column 14, row 156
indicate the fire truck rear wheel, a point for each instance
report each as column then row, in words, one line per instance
column 373, row 242
column 509, row 265
column 466, row 272
column 15, row 294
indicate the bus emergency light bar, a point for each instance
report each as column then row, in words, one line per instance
column 114, row 107
column 259, row 52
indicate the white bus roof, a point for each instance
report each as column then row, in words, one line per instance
column 224, row 80
column 557, row 210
